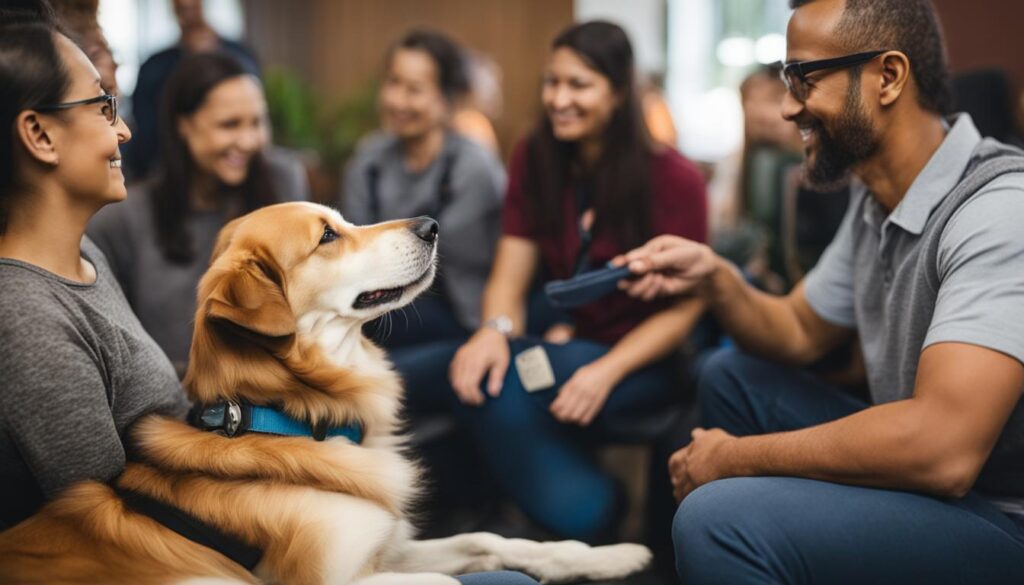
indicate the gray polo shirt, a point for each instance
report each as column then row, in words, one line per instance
column 947, row 265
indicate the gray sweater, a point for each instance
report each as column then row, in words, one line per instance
column 76, row 369
column 469, row 225
column 163, row 293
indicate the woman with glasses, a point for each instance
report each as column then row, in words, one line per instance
column 76, row 367
column 583, row 187
column 215, row 165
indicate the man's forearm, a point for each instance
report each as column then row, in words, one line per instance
column 760, row 323
column 887, row 446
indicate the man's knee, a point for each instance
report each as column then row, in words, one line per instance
column 713, row 530
column 696, row 519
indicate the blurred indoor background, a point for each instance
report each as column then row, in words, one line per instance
column 322, row 58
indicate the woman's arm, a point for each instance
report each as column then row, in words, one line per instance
column 582, row 397
column 505, row 293
column 654, row 338
column 504, row 296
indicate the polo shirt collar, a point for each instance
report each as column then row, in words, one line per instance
column 939, row 177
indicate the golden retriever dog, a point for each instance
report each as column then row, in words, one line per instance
column 279, row 323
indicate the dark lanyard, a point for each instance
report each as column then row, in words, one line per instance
column 444, row 189
column 583, row 201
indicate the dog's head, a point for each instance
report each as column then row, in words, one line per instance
column 283, row 264
column 276, row 264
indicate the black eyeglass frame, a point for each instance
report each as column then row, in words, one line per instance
column 801, row 69
column 110, row 99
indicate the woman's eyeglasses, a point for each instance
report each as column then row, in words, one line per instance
column 794, row 74
column 109, row 106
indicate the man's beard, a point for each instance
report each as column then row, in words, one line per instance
column 850, row 141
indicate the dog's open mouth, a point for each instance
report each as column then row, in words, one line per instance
column 386, row 295
column 378, row 297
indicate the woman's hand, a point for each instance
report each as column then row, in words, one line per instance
column 583, row 396
column 486, row 352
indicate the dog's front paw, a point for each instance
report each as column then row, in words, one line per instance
column 569, row 561
column 617, row 560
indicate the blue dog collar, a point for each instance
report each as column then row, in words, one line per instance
column 236, row 418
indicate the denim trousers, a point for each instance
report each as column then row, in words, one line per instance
column 496, row 578
column 548, row 468
column 794, row 530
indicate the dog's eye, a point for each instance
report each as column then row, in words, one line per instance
column 329, row 235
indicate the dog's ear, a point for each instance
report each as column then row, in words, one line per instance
column 250, row 295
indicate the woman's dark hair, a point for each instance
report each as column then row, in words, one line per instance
column 32, row 73
column 621, row 186
column 186, row 93
column 447, row 56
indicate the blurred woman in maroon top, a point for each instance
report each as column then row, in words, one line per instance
column 588, row 173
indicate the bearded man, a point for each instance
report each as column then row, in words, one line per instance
column 795, row 481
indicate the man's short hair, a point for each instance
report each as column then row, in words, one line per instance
column 909, row 26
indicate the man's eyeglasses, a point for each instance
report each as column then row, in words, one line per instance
column 109, row 106
column 794, row 74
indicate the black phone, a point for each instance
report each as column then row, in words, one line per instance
column 585, row 288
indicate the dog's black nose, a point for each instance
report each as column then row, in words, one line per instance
column 425, row 228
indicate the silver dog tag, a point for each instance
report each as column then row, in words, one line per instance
column 232, row 418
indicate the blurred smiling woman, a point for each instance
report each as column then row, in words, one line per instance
column 584, row 187
column 215, row 165
column 419, row 166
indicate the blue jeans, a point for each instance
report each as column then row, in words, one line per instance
column 793, row 530
column 498, row 578
column 421, row 341
column 547, row 467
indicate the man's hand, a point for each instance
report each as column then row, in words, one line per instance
column 583, row 396
column 699, row 462
column 486, row 352
column 667, row 266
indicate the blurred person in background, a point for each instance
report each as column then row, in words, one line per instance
column 765, row 216
column 475, row 116
column 744, row 191
column 79, row 18
column 197, row 36
column 419, row 166
column 583, row 187
column 657, row 114
column 215, row 164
